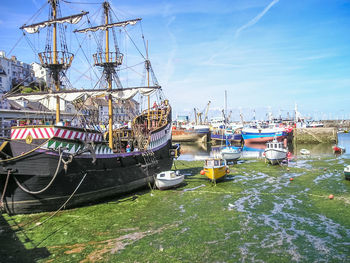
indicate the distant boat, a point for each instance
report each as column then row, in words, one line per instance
column 338, row 149
column 231, row 153
column 315, row 124
column 304, row 151
column 347, row 172
column 221, row 135
column 275, row 152
column 168, row 179
column 257, row 134
column 190, row 133
column 215, row 169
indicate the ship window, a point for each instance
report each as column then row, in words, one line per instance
column 216, row 163
column 210, row 163
column 275, row 145
column 161, row 175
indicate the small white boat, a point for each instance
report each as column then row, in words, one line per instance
column 275, row 151
column 168, row 179
column 231, row 153
column 304, row 151
column 347, row 172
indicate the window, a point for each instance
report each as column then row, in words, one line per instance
column 0, row 80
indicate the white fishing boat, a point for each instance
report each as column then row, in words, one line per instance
column 168, row 179
column 347, row 172
column 305, row 151
column 231, row 153
column 275, row 152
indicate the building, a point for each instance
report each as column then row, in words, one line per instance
column 41, row 74
column 14, row 73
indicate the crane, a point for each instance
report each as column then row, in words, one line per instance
column 206, row 112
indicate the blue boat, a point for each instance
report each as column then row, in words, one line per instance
column 263, row 135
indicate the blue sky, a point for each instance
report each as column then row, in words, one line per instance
column 267, row 54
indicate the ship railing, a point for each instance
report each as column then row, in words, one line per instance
column 63, row 59
column 158, row 117
column 108, row 58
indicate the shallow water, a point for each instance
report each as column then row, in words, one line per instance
column 195, row 151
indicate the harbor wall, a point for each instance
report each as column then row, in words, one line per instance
column 315, row 135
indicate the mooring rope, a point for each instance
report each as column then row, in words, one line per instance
column 61, row 207
column 4, row 190
column 49, row 184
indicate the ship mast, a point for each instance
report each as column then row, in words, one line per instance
column 56, row 75
column 54, row 60
column 148, row 66
column 108, row 60
column 109, row 80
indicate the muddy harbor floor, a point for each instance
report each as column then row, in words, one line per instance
column 256, row 215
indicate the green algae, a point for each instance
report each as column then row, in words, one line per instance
column 256, row 214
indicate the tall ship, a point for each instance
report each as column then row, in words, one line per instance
column 53, row 166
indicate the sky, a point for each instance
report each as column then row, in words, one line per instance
column 267, row 54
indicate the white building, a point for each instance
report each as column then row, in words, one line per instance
column 41, row 74
column 14, row 73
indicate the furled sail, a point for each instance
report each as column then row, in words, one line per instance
column 104, row 27
column 73, row 19
column 72, row 95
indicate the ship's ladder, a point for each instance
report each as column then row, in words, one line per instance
column 151, row 162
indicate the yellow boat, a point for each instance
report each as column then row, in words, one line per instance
column 215, row 168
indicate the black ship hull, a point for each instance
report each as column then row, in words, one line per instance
column 86, row 178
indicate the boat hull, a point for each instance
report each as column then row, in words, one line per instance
column 261, row 137
column 222, row 137
column 163, row 184
column 231, row 154
column 275, row 156
column 215, row 173
column 347, row 173
column 189, row 136
column 108, row 176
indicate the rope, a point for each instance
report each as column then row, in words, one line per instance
column 22, row 155
column 46, row 187
column 4, row 190
column 59, row 209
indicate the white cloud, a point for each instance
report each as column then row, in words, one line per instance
column 255, row 19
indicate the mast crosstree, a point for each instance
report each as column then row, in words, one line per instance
column 56, row 61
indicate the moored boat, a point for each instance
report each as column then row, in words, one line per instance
column 215, row 169
column 258, row 134
column 275, row 152
column 189, row 135
column 304, row 151
column 47, row 167
column 168, row 179
column 347, row 172
column 338, row 149
column 231, row 153
column 221, row 135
